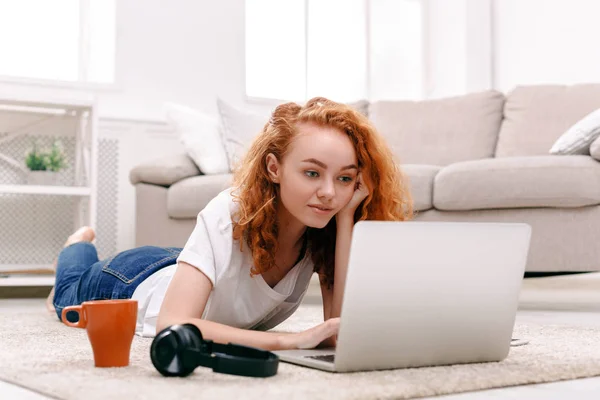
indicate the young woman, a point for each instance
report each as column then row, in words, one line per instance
column 312, row 173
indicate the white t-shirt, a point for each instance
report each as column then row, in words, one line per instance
column 237, row 299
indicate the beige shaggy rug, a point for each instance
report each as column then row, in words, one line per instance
column 39, row 353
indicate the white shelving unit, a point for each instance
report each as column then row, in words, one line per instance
column 51, row 190
column 24, row 281
column 85, row 169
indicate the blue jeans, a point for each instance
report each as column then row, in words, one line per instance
column 80, row 276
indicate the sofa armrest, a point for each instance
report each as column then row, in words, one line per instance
column 595, row 149
column 164, row 171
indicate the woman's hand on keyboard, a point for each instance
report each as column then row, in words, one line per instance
column 311, row 338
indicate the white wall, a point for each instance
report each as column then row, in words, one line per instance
column 545, row 41
column 395, row 50
column 458, row 38
column 176, row 50
column 192, row 51
column 447, row 48
column 481, row 44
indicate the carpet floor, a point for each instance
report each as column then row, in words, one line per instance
column 41, row 354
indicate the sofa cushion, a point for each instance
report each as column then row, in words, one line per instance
column 186, row 198
column 435, row 132
column 164, row 171
column 536, row 116
column 420, row 181
column 516, row 182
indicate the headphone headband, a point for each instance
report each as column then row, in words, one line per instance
column 179, row 349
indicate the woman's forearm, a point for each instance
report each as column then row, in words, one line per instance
column 342, row 253
column 221, row 333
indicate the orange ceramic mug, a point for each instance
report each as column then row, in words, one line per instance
column 110, row 326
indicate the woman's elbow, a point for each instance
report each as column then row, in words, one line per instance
column 164, row 321
column 161, row 324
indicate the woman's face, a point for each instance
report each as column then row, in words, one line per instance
column 318, row 174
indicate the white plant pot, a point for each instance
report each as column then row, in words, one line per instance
column 44, row 178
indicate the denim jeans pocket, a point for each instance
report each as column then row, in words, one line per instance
column 137, row 264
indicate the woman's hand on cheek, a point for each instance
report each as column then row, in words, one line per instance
column 361, row 191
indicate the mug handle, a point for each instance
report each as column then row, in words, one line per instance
column 82, row 323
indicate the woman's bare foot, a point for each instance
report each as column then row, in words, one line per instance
column 83, row 234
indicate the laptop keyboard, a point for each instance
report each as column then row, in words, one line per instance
column 326, row 357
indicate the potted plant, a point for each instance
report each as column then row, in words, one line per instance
column 44, row 165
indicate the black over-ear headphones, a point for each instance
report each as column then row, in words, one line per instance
column 178, row 349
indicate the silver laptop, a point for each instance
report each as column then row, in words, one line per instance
column 426, row 294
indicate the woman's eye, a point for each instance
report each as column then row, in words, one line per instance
column 346, row 179
column 311, row 174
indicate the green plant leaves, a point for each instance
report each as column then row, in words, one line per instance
column 53, row 159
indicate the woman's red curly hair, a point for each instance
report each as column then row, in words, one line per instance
column 256, row 220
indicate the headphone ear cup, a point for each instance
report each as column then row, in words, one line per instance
column 193, row 335
column 168, row 346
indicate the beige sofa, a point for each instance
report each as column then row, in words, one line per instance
column 478, row 157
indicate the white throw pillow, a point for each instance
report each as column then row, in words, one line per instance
column 578, row 138
column 200, row 135
column 239, row 129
